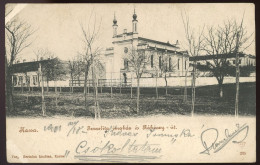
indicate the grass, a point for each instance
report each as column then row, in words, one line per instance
column 122, row 106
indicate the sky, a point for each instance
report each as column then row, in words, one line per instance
column 58, row 25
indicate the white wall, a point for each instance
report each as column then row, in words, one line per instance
column 172, row 81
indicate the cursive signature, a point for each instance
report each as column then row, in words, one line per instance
column 109, row 147
column 209, row 138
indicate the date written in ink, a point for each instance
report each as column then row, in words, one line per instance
column 52, row 128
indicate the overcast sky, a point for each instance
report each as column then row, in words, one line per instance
column 58, row 24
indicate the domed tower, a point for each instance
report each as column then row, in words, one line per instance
column 115, row 26
column 135, row 21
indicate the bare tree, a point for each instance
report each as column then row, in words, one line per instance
column 194, row 46
column 166, row 66
column 223, row 43
column 90, row 54
column 17, row 35
column 138, row 59
column 58, row 72
column 43, row 53
column 187, row 66
column 72, row 71
column 48, row 68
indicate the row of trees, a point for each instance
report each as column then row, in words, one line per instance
column 222, row 40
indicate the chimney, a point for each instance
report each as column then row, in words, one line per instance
column 24, row 60
column 125, row 30
column 177, row 42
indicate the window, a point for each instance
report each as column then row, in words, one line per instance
column 170, row 63
column 151, row 60
column 14, row 80
column 125, row 64
column 185, row 65
column 35, row 80
column 234, row 62
column 160, row 62
column 28, row 80
column 178, row 64
column 20, row 80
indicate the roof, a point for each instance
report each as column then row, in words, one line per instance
column 157, row 42
column 209, row 57
column 27, row 66
column 30, row 66
column 171, row 51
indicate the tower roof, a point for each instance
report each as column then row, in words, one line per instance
column 115, row 21
column 134, row 15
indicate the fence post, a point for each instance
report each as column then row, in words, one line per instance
column 131, row 85
column 101, row 86
column 111, row 86
column 88, row 87
column 120, row 82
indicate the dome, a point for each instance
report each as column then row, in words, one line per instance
column 115, row 21
column 134, row 16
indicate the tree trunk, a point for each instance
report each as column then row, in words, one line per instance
column 138, row 95
column 237, row 85
column 120, row 83
column 47, row 85
column 29, row 87
column 166, row 84
column 220, row 84
column 22, row 84
column 43, row 102
column 101, row 87
column 85, row 86
column 72, row 87
column 111, row 90
column 78, row 80
column 56, row 94
column 156, row 88
column 9, row 91
column 185, row 87
column 193, row 89
column 97, row 112
column 131, row 86
column 38, row 78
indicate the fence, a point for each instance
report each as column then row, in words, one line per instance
column 160, row 82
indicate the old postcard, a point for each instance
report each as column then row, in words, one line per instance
column 130, row 83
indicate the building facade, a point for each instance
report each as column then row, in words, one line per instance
column 162, row 54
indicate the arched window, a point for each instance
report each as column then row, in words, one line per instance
column 125, row 64
column 160, row 62
column 178, row 64
column 170, row 63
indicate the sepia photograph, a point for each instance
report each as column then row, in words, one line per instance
column 130, row 82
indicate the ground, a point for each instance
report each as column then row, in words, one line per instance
column 122, row 106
